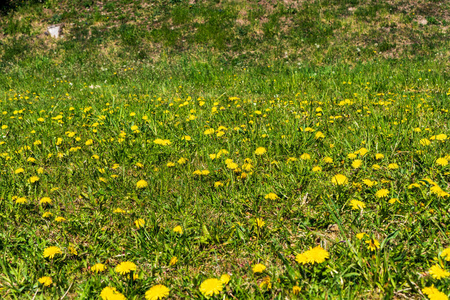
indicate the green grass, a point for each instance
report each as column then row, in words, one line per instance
column 88, row 109
column 323, row 32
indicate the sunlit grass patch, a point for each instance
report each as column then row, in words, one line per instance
column 220, row 171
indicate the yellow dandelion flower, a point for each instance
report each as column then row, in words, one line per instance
column 21, row 200
column 291, row 159
column 359, row 236
column 259, row 222
column 446, row 254
column 376, row 167
column 430, row 290
column 60, row 219
column 438, row 191
column 382, row 193
column 157, row 292
column 373, row 244
column 45, row 281
column 339, row 179
column 413, row 185
column 97, row 268
column 442, row 161
column 393, row 166
column 247, row 167
column 125, row 267
column 393, row 200
column 357, row 205
column 178, row 229
column 70, row 133
column 50, row 252
column 19, row 170
column 47, row 214
column 33, row 179
column 313, row 255
column 296, row 289
column 369, row 183
column 317, row 169
column 266, row 283
column 232, row 166
column 173, row 261
column 437, row 272
column 328, row 160
column 119, row 211
column 379, row 156
column 440, row 137
column 317, row 254
column 363, row 151
column 225, row 278
column 222, row 152
column 425, row 142
column 356, row 163
column 211, row 287
column 162, row 142
column 434, row 294
column 260, row 151
column 351, row 156
column 45, row 200
column 141, row 184
column 139, row 223
column 209, row 131
column 319, row 135
column 111, row 293
column 271, row 196
column 305, row 156
column 258, row 268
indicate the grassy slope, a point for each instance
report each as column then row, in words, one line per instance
column 320, row 32
column 172, row 39
column 288, row 58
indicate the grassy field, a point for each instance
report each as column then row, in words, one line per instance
column 225, row 150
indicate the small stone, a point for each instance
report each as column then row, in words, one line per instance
column 422, row 21
column 55, row 30
column 333, row 228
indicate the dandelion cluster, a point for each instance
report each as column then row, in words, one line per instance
column 133, row 194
